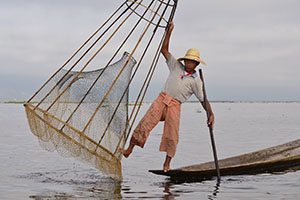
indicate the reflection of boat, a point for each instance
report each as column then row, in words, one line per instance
column 274, row 159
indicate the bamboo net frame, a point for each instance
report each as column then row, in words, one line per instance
column 52, row 113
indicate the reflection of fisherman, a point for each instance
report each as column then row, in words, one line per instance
column 182, row 82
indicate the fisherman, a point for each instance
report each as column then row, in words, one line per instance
column 183, row 81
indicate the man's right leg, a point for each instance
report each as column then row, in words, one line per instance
column 148, row 122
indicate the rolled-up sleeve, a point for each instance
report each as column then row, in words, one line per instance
column 171, row 62
column 198, row 88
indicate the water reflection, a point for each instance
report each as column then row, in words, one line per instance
column 103, row 191
column 168, row 194
column 88, row 185
column 215, row 191
column 175, row 190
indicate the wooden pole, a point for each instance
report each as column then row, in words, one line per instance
column 210, row 128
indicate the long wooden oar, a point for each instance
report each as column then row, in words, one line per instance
column 210, row 128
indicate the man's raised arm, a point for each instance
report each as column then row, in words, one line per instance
column 165, row 45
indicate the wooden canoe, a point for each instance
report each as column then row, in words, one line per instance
column 274, row 159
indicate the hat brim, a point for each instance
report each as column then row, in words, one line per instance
column 197, row 60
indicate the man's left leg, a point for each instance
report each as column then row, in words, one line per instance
column 171, row 134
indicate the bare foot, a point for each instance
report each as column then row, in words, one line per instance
column 166, row 168
column 167, row 164
column 126, row 153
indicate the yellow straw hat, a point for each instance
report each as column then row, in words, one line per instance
column 192, row 54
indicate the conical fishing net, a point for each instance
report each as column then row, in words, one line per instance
column 56, row 130
column 83, row 109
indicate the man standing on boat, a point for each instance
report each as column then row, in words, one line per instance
column 182, row 82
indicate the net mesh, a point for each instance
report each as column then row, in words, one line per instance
column 82, row 111
column 57, row 131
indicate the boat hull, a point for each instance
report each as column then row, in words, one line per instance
column 275, row 159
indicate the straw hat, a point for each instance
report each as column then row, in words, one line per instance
column 192, row 54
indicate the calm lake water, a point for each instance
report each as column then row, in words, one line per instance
column 29, row 172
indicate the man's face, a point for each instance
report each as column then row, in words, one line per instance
column 190, row 65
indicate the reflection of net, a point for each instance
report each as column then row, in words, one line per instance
column 82, row 111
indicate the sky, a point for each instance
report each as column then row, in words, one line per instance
column 251, row 47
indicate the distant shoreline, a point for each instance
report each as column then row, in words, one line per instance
column 13, row 102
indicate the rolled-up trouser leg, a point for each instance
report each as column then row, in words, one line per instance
column 148, row 122
column 170, row 136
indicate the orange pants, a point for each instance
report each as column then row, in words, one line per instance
column 164, row 108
